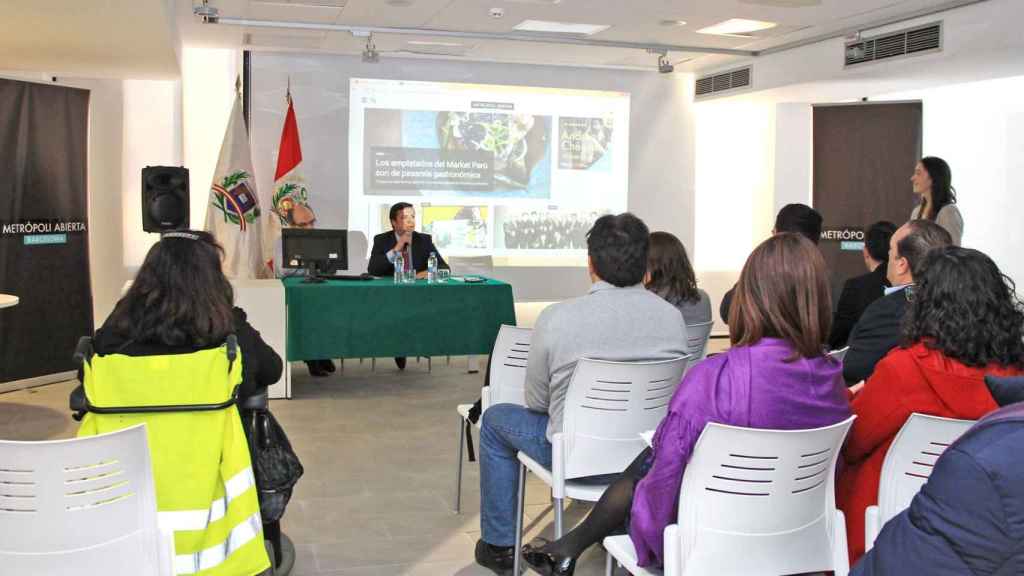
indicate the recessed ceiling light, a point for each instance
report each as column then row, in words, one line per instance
column 399, row 3
column 560, row 27
column 673, row 22
column 737, row 27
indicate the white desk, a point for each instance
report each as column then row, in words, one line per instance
column 8, row 300
column 263, row 302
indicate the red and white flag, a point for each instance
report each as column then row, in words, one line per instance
column 291, row 199
column 233, row 215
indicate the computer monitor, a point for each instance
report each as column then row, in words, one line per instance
column 318, row 250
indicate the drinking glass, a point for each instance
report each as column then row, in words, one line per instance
column 443, row 274
column 410, row 276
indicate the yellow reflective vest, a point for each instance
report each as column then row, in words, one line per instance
column 205, row 489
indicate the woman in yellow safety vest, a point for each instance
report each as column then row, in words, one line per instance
column 164, row 344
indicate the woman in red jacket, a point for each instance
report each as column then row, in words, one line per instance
column 964, row 322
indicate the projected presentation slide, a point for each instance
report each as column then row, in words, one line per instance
column 500, row 170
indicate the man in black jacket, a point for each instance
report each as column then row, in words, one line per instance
column 859, row 292
column 402, row 239
column 799, row 218
column 880, row 327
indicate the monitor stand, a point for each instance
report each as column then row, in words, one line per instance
column 311, row 277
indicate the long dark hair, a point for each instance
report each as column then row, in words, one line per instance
column 783, row 292
column 671, row 275
column 943, row 192
column 964, row 307
column 180, row 296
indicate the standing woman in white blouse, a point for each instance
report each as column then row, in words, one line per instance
column 932, row 181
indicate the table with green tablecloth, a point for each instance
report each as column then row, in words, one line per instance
column 378, row 318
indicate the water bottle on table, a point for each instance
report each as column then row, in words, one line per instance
column 432, row 268
column 399, row 268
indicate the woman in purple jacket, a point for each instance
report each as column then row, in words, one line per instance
column 775, row 376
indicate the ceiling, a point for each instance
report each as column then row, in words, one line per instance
column 90, row 38
column 638, row 21
column 143, row 38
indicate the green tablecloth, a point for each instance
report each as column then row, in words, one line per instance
column 378, row 318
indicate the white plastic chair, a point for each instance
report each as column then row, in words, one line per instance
column 358, row 248
column 607, row 405
column 753, row 502
column 507, row 385
column 839, row 354
column 472, row 265
column 697, row 336
column 908, row 465
column 81, row 506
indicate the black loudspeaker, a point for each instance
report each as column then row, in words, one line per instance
column 164, row 198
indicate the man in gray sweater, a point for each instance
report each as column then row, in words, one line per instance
column 617, row 320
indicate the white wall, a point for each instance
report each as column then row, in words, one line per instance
column 152, row 137
column 978, row 128
column 661, row 135
column 208, row 92
column 971, row 118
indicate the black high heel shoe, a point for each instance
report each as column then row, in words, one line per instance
column 547, row 563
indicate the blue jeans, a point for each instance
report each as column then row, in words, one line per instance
column 505, row 430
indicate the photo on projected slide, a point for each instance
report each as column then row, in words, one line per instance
column 462, row 154
column 585, row 144
column 530, row 229
column 456, row 228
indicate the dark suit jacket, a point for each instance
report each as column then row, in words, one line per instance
column 723, row 308
column 422, row 246
column 877, row 332
column 858, row 293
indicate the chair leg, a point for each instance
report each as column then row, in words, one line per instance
column 557, row 504
column 841, row 561
column 458, row 467
column 519, row 520
column 272, row 532
column 609, row 564
column 430, row 365
column 373, row 364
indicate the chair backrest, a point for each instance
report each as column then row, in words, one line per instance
column 769, row 494
column 508, row 366
column 358, row 248
column 697, row 336
column 910, row 460
column 80, row 506
column 839, row 354
column 607, row 406
column 472, row 265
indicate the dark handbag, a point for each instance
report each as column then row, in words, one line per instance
column 275, row 464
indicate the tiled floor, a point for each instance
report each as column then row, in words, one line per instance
column 379, row 453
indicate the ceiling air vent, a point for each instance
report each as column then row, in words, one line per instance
column 724, row 81
column 926, row 38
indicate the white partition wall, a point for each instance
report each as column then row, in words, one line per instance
column 263, row 302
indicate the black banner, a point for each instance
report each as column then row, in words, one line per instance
column 44, row 241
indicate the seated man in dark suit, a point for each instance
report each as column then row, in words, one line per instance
column 861, row 291
column 798, row 218
column 879, row 328
column 402, row 239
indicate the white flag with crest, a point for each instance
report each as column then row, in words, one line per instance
column 233, row 215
